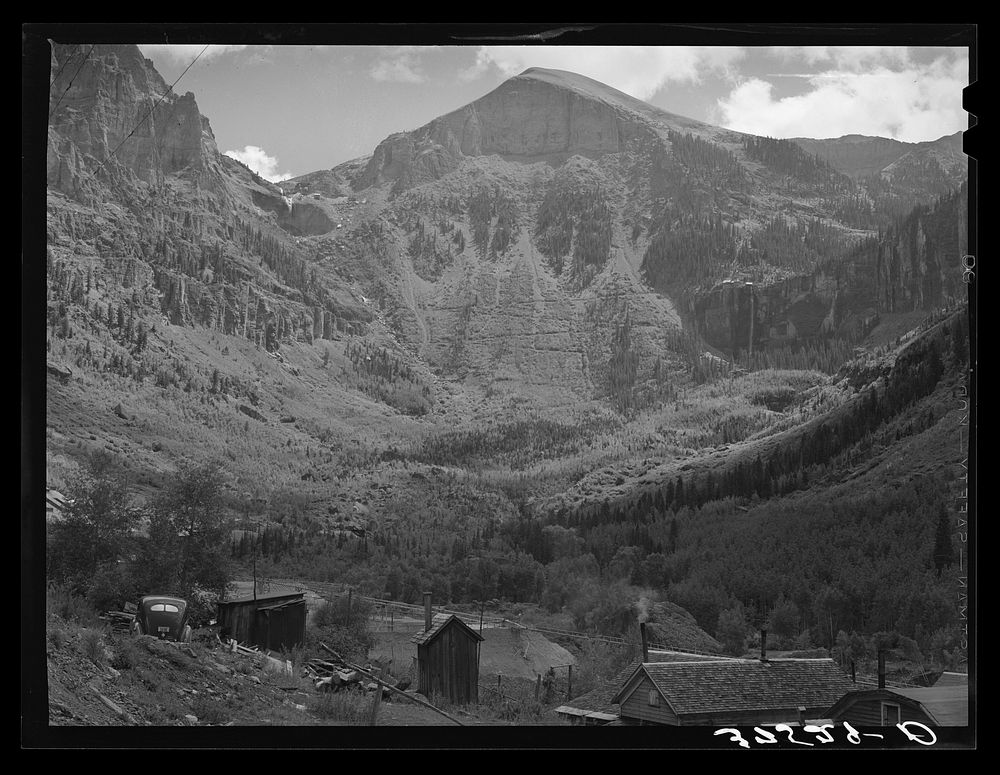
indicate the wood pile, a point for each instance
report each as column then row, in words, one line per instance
column 334, row 676
column 120, row 621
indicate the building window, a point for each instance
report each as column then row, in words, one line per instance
column 890, row 714
column 654, row 698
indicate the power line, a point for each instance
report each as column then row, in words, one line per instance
column 59, row 101
column 63, row 67
column 144, row 119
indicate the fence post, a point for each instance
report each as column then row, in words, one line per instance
column 377, row 699
column 569, row 683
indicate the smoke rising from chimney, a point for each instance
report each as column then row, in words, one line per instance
column 642, row 609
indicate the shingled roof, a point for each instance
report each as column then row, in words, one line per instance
column 719, row 686
column 439, row 622
column 602, row 698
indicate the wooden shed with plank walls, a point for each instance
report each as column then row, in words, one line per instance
column 448, row 660
column 273, row 622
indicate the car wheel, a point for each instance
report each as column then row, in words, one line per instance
column 186, row 634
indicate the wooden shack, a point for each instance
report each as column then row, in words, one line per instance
column 448, row 659
column 275, row 622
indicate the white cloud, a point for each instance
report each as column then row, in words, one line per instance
column 260, row 162
column 184, row 53
column 637, row 70
column 848, row 57
column 400, row 64
column 912, row 103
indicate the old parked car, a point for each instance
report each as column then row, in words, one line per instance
column 162, row 617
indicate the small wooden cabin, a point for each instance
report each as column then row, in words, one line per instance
column 448, row 659
column 933, row 706
column 276, row 621
column 733, row 692
column 596, row 706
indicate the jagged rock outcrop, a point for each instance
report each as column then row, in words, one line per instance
column 136, row 180
column 118, row 110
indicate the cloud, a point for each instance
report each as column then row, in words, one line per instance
column 912, row 102
column 637, row 70
column 260, row 162
column 400, row 64
column 184, row 53
column 852, row 58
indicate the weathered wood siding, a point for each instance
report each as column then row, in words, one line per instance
column 262, row 624
column 636, row 705
column 281, row 629
column 449, row 666
column 868, row 713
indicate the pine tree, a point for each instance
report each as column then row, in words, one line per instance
column 944, row 551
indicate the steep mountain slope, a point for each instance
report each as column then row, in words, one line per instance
column 551, row 302
column 861, row 157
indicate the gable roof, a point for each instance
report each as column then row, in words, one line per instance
column 718, row 686
column 602, row 698
column 438, row 624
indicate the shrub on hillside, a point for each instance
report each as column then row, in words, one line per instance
column 126, row 654
column 341, row 628
column 349, row 706
column 62, row 601
column 209, row 711
column 92, row 643
column 57, row 637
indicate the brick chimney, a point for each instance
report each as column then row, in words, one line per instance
column 428, row 611
column 763, row 645
column 645, row 642
column 881, row 669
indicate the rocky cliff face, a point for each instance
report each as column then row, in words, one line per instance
column 509, row 244
column 118, row 104
column 136, row 180
column 914, row 266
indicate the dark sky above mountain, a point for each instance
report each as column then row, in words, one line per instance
column 288, row 110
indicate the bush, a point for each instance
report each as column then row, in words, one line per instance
column 57, row 637
column 126, row 654
column 349, row 706
column 344, row 631
column 61, row 600
column 209, row 711
column 111, row 587
column 92, row 642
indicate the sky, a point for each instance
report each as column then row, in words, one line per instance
column 288, row 110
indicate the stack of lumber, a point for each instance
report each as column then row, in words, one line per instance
column 120, row 621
